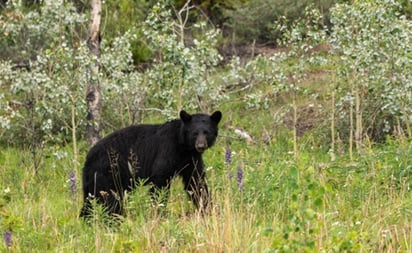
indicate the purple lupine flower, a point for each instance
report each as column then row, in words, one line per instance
column 240, row 178
column 72, row 180
column 7, row 238
column 228, row 156
column 228, row 161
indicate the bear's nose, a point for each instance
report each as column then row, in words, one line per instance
column 201, row 147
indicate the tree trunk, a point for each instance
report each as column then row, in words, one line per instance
column 358, row 118
column 93, row 95
column 332, row 120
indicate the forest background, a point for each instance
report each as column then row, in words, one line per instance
column 314, row 153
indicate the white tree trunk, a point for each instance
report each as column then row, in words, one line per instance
column 93, row 95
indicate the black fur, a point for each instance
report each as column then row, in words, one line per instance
column 154, row 153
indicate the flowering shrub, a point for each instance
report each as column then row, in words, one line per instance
column 373, row 43
column 43, row 77
column 180, row 75
column 47, row 94
column 46, row 64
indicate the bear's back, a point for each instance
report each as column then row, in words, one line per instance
column 137, row 136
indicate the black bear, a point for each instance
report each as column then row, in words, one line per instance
column 153, row 153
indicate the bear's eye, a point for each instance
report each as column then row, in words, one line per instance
column 206, row 132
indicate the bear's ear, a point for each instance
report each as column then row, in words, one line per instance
column 185, row 117
column 216, row 117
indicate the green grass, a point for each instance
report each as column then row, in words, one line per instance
column 286, row 205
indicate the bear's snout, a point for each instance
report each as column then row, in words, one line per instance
column 201, row 143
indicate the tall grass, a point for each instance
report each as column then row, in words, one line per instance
column 285, row 205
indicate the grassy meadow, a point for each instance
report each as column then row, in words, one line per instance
column 266, row 199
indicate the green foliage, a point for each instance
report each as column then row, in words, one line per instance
column 278, row 193
column 368, row 71
column 25, row 34
column 53, row 108
column 373, row 44
column 254, row 20
column 40, row 81
column 179, row 76
column 123, row 16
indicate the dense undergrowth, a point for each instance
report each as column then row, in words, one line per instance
column 264, row 201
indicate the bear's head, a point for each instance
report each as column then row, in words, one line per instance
column 200, row 130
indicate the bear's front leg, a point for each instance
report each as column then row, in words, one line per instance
column 160, row 192
column 196, row 188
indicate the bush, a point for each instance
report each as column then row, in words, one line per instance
column 47, row 97
column 251, row 21
column 122, row 16
column 372, row 42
